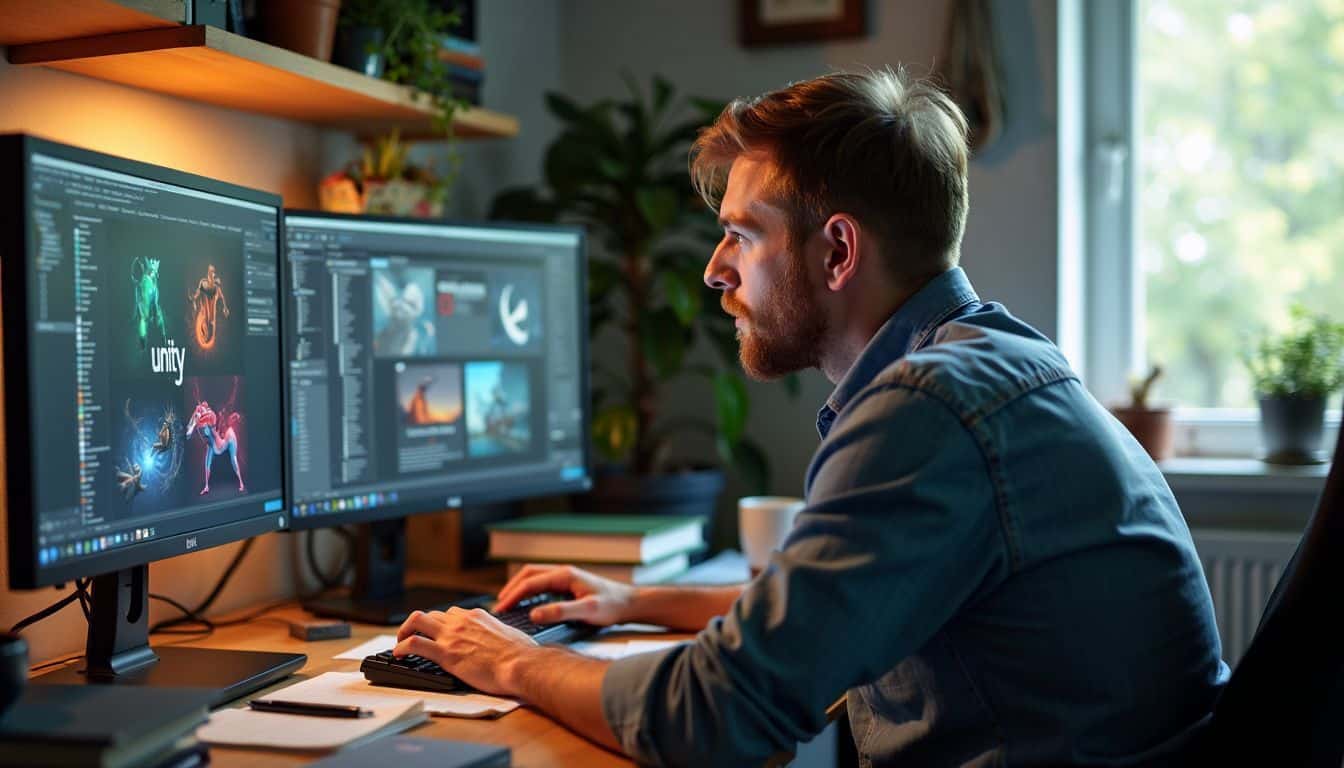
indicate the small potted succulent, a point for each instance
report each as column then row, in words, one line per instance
column 1294, row 373
column 1151, row 426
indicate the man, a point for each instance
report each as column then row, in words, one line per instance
column 989, row 567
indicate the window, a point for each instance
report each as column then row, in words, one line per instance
column 1215, row 193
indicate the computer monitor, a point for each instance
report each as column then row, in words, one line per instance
column 143, row 388
column 431, row 366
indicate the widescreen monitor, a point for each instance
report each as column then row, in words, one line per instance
column 143, row 380
column 432, row 365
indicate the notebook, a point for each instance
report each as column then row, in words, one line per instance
column 412, row 752
column 106, row 726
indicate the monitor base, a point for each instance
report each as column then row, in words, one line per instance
column 230, row 674
column 394, row 609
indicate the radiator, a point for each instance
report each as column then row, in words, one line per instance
column 1242, row 568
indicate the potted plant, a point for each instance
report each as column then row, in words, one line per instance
column 383, row 182
column 619, row 168
column 1150, row 426
column 1293, row 374
column 400, row 40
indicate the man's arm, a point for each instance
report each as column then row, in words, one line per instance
column 689, row 609
column 496, row 658
column 603, row 601
column 901, row 531
column 566, row 687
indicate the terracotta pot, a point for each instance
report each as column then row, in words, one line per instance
column 1152, row 427
column 303, row 26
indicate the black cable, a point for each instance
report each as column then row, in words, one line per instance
column 224, row 579
column 190, row 615
column 85, row 598
column 197, row 615
column 45, row 612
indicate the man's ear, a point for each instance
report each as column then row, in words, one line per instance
column 845, row 250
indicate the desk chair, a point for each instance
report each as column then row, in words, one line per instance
column 1285, row 702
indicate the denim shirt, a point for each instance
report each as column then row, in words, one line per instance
column 989, row 568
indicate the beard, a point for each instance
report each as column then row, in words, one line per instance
column 786, row 332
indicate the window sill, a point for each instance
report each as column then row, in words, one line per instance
column 1228, row 475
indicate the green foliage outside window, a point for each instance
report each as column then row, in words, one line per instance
column 1241, row 187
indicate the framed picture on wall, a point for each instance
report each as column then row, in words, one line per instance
column 775, row 22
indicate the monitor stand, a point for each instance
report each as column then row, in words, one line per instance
column 118, row 651
column 378, row 596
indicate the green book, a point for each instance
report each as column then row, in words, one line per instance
column 632, row 539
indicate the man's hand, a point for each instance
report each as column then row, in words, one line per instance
column 597, row 600
column 475, row 646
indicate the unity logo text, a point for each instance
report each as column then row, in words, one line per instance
column 169, row 359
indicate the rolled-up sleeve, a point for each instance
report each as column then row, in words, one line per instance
column 900, row 531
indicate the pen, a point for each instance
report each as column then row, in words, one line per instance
column 306, row 708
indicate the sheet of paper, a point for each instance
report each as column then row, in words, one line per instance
column 632, row 627
column 369, row 647
column 352, row 688
column 608, row 650
column 617, row 649
column 249, row 728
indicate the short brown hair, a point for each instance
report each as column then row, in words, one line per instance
column 890, row 151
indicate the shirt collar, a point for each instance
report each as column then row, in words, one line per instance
column 907, row 330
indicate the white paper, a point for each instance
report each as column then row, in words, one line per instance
column 368, row 648
column 620, row 649
column 640, row 628
column 352, row 688
column 250, row 728
column 613, row 650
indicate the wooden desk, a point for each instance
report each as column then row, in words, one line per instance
column 535, row 740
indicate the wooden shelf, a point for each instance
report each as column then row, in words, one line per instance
column 38, row 21
column 211, row 65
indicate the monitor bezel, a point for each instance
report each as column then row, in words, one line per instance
column 498, row 494
column 25, row 571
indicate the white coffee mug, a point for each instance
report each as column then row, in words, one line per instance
column 763, row 522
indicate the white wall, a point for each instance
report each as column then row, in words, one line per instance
column 1010, row 245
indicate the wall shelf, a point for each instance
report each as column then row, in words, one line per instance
column 39, row 21
column 214, row 66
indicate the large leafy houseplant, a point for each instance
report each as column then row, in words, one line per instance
column 1293, row 374
column 618, row 167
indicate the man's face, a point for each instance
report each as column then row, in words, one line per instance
column 765, row 277
column 210, row 272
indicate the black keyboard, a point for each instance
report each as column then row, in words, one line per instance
column 423, row 674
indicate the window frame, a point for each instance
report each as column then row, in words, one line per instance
column 1101, row 39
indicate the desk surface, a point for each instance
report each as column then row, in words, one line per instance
column 536, row 741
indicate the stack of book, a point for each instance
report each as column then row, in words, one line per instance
column 466, row 68
column 109, row 726
column 630, row 548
